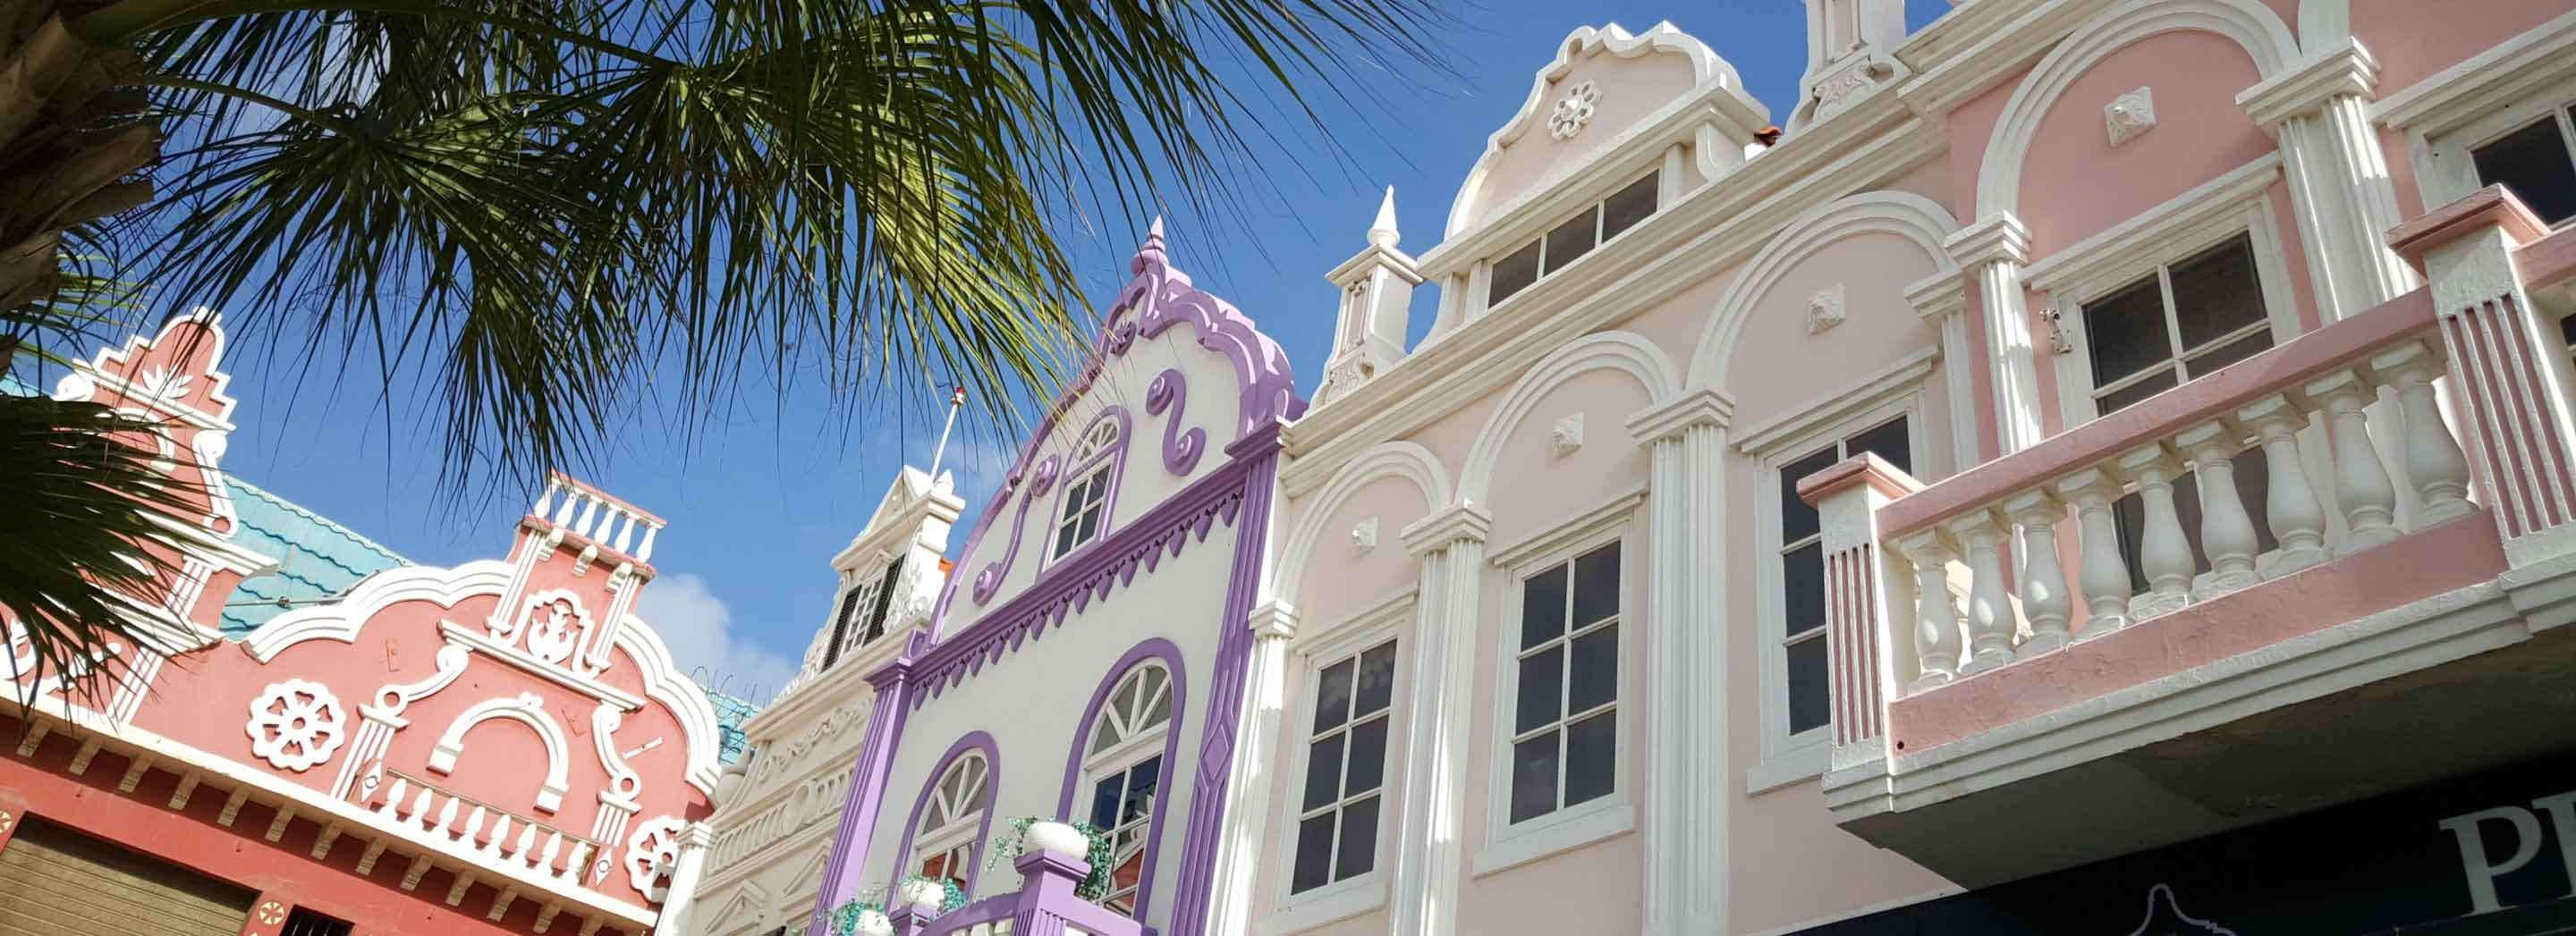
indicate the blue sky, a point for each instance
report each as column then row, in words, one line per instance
column 776, row 486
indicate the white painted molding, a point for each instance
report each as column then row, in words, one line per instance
column 526, row 709
column 296, row 725
column 1625, row 352
column 1399, row 459
column 2253, row 27
column 623, row 783
column 1574, row 111
column 341, row 620
column 1800, row 422
column 2134, row 247
column 512, row 655
column 388, row 703
column 1903, row 214
column 2130, row 115
column 2463, row 92
column 1582, row 525
column 2348, row 71
column 664, row 682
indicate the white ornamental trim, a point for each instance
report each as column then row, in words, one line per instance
column 295, row 725
column 652, row 854
column 1574, row 110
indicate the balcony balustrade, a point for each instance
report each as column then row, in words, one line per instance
column 487, row 835
column 1045, row 904
column 2022, row 683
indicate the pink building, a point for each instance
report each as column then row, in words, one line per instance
column 501, row 747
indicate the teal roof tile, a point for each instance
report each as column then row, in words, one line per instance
column 731, row 713
column 316, row 558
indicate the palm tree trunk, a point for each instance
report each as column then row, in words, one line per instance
column 70, row 137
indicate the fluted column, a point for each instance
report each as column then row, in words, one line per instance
column 1273, row 624
column 1685, row 822
column 2338, row 174
column 1941, row 300
column 1994, row 249
column 1449, row 548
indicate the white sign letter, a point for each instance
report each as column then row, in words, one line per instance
column 2473, row 851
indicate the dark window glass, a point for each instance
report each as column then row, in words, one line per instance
column 1569, row 241
column 1513, row 273
column 1631, row 205
column 1368, row 758
column 2533, row 162
column 303, row 922
column 1802, row 576
column 2211, row 361
column 1142, row 780
column 2215, row 294
column 1809, row 690
column 1358, row 851
column 2128, row 396
column 1324, row 771
column 1797, row 518
column 840, row 628
column 1596, row 585
column 1333, row 696
column 885, row 601
column 1534, row 777
column 1889, row 441
column 1591, row 757
column 1104, row 801
column 1542, row 682
column 1377, row 680
column 1314, row 866
column 1542, row 607
column 2127, row 331
column 2567, row 331
column 1595, row 680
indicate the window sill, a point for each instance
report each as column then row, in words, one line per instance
column 1794, row 766
column 1331, row 903
column 1565, row 831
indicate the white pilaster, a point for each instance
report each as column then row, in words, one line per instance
column 2338, row 176
column 1273, row 624
column 1942, row 299
column 1688, row 788
column 1449, row 547
column 1994, row 250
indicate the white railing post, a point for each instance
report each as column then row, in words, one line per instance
column 2164, row 555
column 2226, row 531
column 2043, row 580
column 2435, row 467
column 1867, row 607
column 2290, row 505
column 1990, row 613
column 2362, row 488
column 2102, row 573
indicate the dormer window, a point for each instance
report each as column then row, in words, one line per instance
column 1086, row 498
column 862, row 616
column 1573, row 238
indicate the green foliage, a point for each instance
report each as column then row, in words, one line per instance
column 1094, row 885
column 845, row 918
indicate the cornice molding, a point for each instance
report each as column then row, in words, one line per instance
column 2350, row 71
column 1996, row 237
column 1463, row 521
column 1939, row 295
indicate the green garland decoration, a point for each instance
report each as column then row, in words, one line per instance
column 1094, row 885
column 845, row 918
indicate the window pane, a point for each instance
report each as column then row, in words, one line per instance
column 1631, row 205
column 1142, row 780
column 1368, row 757
column 1064, row 539
column 1513, row 274
column 1358, row 852
column 2124, row 397
column 2216, row 293
column 1542, row 677
column 1542, row 607
column 1323, row 772
column 1596, row 669
column 1090, row 525
column 1333, row 696
column 1591, row 757
column 1570, row 240
column 1596, row 585
column 1810, row 692
column 1798, row 519
column 2127, row 331
column 2211, row 361
column 1104, row 800
column 1377, row 679
column 1314, row 854
column 1802, row 585
column 1534, row 777
column 1888, row 440
column 2533, row 163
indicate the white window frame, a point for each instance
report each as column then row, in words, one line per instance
column 1599, row 208
column 962, row 829
column 1104, row 473
column 1389, row 619
column 1508, row 844
column 1138, row 746
column 2446, row 163
column 1789, row 758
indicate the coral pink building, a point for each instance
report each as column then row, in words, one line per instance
column 500, row 747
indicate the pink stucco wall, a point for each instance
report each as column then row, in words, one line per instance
column 2075, row 183
column 2414, row 40
column 1631, row 89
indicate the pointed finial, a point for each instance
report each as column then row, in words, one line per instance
column 1152, row 250
column 1383, row 232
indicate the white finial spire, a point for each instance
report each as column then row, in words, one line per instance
column 1383, row 232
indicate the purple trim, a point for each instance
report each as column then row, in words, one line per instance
column 1181, row 450
column 990, row 579
column 867, row 786
column 1151, row 648
column 1260, row 452
column 1108, row 502
column 973, row 741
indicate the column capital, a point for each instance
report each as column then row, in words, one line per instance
column 698, row 835
column 1274, row 620
column 1462, row 521
column 2348, row 71
column 1701, row 407
column 1939, row 295
column 1998, row 237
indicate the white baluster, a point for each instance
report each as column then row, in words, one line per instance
column 589, row 512
column 500, row 835
column 2435, row 466
column 2163, row 554
column 1990, row 614
column 626, row 534
column 574, row 870
column 2290, row 505
column 1936, row 620
column 393, row 799
column 2101, row 571
column 2226, row 531
column 554, row 847
column 419, row 807
column 545, row 498
column 526, row 850
column 572, row 501
column 447, row 817
column 473, row 829
column 644, row 553
column 2043, row 580
column 2362, row 487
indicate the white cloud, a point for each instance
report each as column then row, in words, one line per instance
column 698, row 628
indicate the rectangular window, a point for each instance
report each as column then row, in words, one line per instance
column 884, row 603
column 303, row 922
column 1084, row 505
column 1564, row 713
column 2537, row 162
column 1337, row 818
column 1804, row 659
column 2186, row 320
column 841, row 626
column 1573, row 238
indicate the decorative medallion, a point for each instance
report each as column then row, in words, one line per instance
column 8, row 821
column 2130, row 115
column 1825, row 309
column 271, row 913
column 1574, row 111
column 652, row 853
column 555, row 622
column 1364, row 536
column 295, row 725
column 1567, row 438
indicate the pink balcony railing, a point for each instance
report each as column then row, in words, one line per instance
column 2013, row 572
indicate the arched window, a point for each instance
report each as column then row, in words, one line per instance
column 1122, row 766
column 1090, row 472
column 943, row 841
